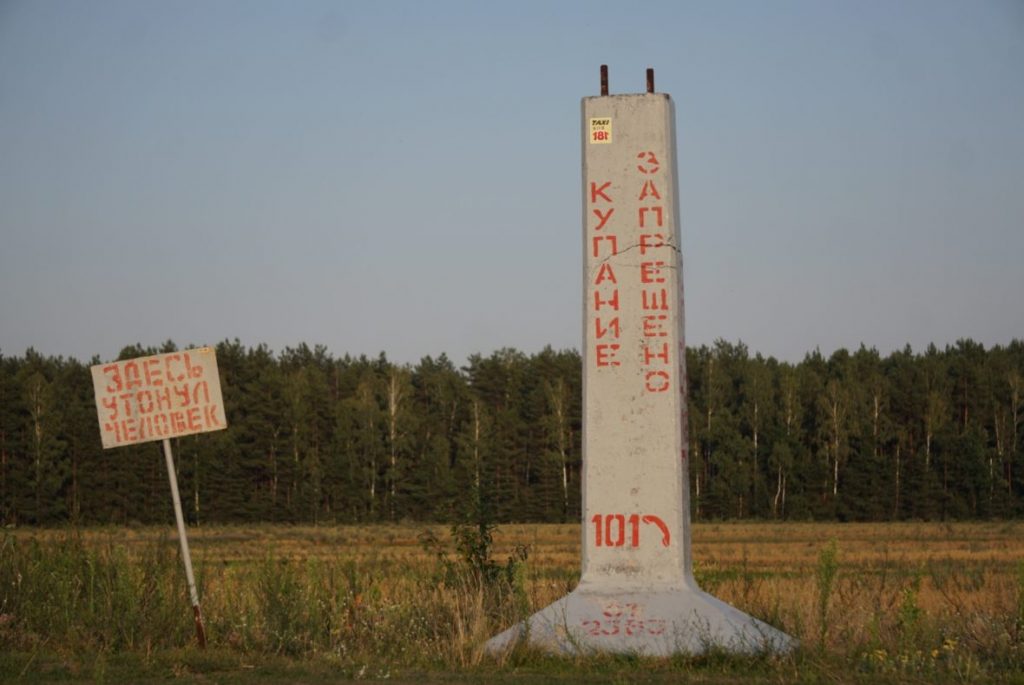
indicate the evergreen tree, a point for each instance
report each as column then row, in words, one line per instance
column 758, row 414
column 440, row 398
column 47, row 462
column 10, row 411
column 312, row 438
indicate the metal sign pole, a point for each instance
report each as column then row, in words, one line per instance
column 159, row 397
column 186, row 557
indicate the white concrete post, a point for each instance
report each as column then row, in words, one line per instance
column 637, row 593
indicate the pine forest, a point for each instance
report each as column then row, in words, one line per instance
column 314, row 438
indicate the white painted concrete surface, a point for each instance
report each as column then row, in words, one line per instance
column 637, row 593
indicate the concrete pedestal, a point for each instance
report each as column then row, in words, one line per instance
column 637, row 593
column 647, row 622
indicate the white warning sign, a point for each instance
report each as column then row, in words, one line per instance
column 158, row 397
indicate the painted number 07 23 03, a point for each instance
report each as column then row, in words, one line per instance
column 623, row 620
column 619, row 530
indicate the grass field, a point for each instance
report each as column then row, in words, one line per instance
column 920, row 602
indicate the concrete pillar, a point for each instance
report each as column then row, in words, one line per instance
column 637, row 593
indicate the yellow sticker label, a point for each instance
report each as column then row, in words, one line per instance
column 601, row 130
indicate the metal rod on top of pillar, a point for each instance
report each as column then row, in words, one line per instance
column 637, row 593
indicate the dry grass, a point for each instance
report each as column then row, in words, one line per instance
column 773, row 546
column 922, row 600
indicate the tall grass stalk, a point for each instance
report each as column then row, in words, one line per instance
column 825, row 575
column 1020, row 602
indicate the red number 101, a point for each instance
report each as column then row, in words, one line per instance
column 610, row 529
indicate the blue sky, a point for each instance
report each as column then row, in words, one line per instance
column 405, row 177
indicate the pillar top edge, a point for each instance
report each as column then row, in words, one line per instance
column 627, row 96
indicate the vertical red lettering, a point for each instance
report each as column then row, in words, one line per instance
column 650, row 241
column 597, row 530
column 606, row 354
column 643, row 215
column 653, row 326
column 613, row 302
column 613, row 326
column 655, row 299
column 613, row 240
column 650, row 272
column 649, row 163
column 656, row 381
column 649, row 189
column 649, row 355
column 605, row 273
column 598, row 191
column 603, row 217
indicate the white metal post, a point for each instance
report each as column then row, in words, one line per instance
column 172, row 476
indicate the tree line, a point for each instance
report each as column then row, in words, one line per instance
column 316, row 438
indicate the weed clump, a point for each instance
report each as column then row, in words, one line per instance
column 825, row 575
column 92, row 597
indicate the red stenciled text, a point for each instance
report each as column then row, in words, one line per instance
column 605, row 283
column 153, row 398
column 623, row 618
column 655, row 357
column 619, row 530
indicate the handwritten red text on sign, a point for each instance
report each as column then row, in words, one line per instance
column 163, row 396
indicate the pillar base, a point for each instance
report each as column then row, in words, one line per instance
column 658, row 622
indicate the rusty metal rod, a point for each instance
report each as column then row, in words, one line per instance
column 200, row 630
column 650, row 80
column 604, row 79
